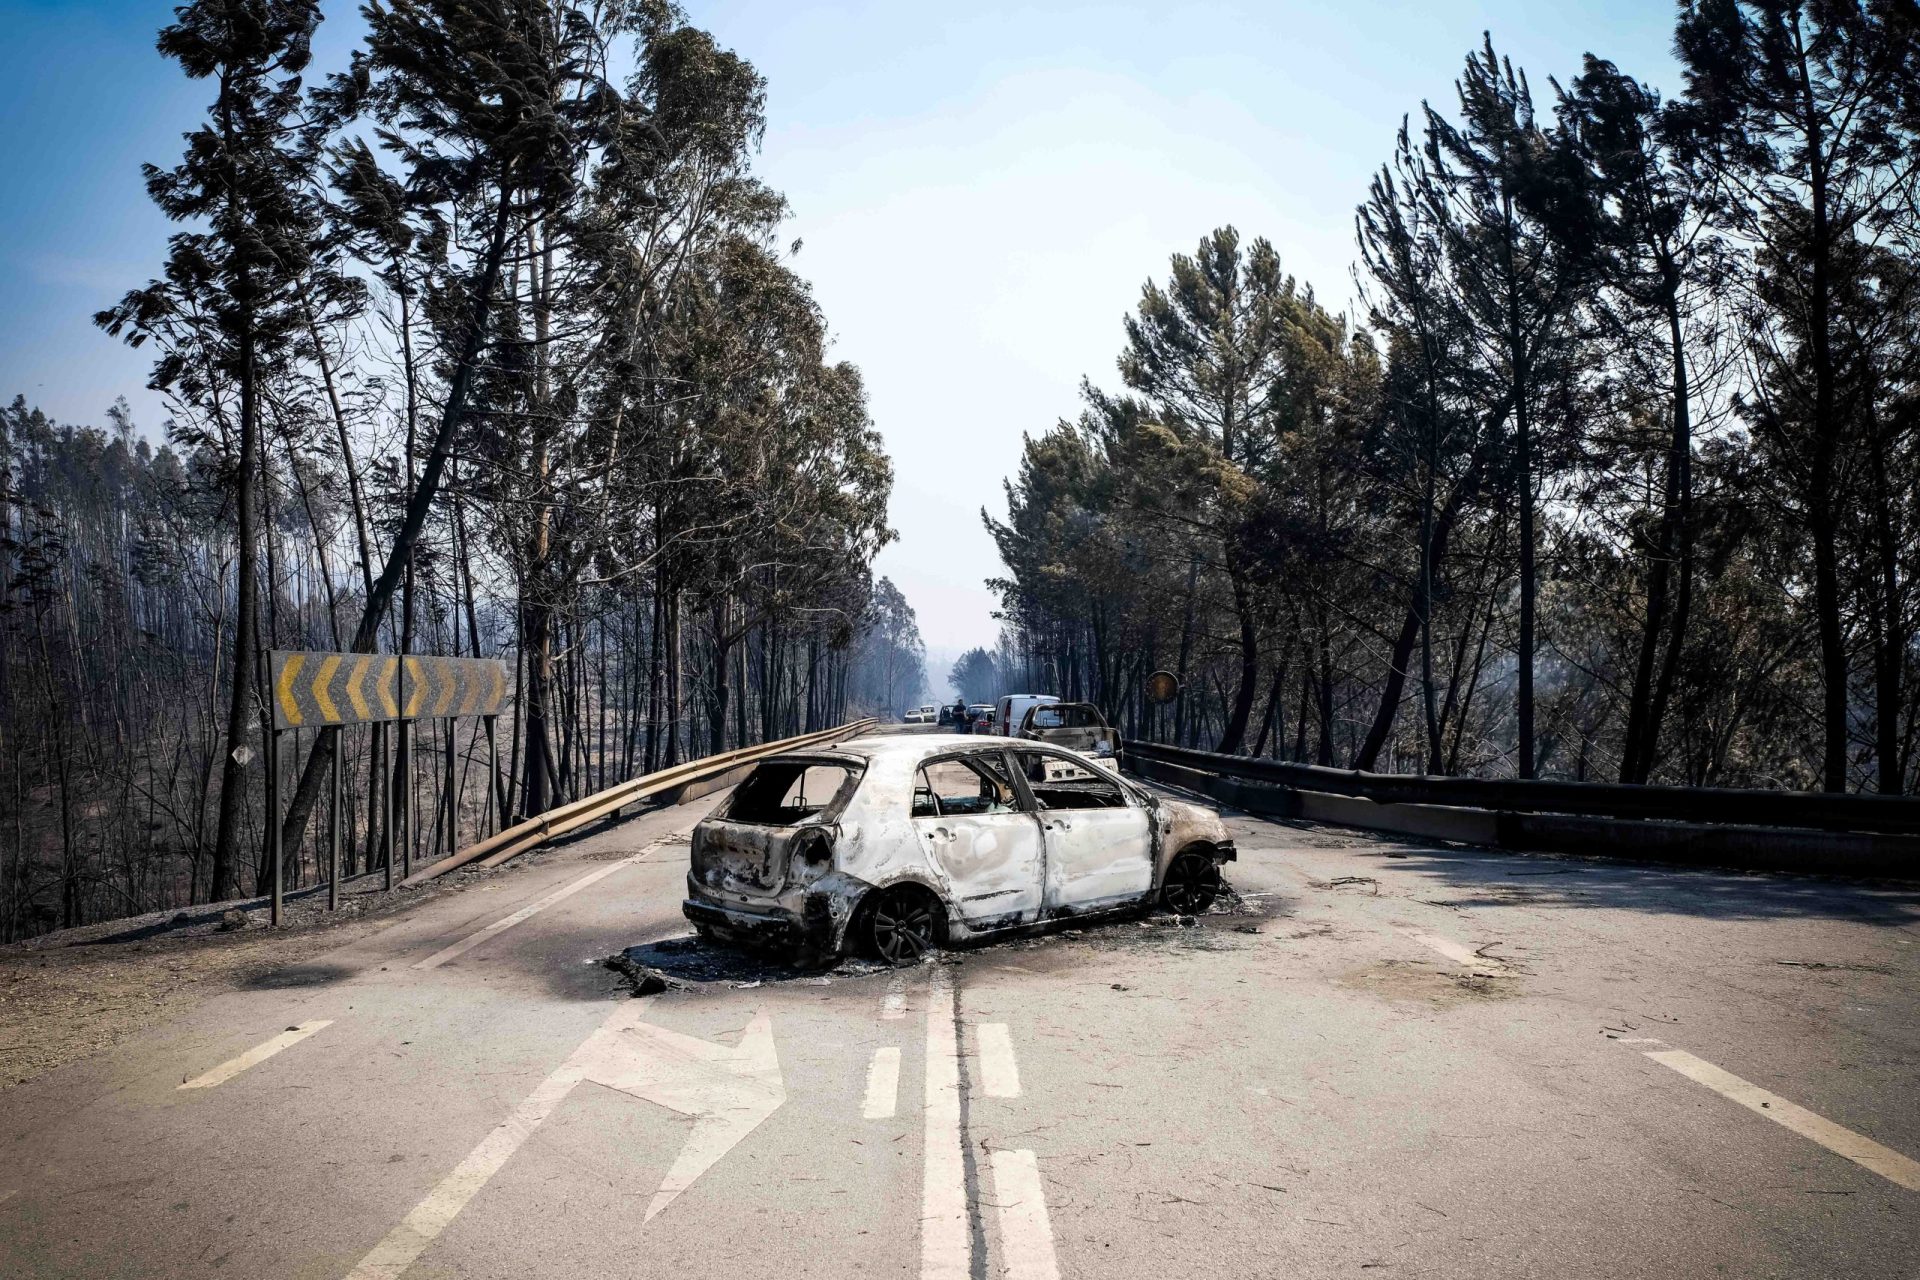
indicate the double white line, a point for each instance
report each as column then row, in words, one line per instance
column 946, row 1236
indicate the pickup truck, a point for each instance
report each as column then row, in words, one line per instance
column 1077, row 726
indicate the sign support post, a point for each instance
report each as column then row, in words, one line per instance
column 333, row 822
column 493, row 781
column 273, row 821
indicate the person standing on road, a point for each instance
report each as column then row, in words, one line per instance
column 962, row 723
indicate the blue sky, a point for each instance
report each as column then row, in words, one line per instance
column 981, row 190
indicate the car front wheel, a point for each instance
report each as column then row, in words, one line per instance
column 1192, row 883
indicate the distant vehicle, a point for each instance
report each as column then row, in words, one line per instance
column 897, row 844
column 983, row 717
column 1013, row 708
column 922, row 715
column 946, row 714
column 1077, row 726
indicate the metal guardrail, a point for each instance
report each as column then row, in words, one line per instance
column 1821, row 811
column 559, row 820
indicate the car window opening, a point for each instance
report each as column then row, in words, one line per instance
column 1060, row 783
column 784, row 793
column 954, row 788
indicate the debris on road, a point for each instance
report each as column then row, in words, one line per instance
column 1341, row 882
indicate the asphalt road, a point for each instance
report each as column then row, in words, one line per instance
column 1384, row 1058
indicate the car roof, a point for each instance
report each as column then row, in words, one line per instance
column 908, row 746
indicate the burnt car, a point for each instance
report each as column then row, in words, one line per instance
column 893, row 846
column 1077, row 726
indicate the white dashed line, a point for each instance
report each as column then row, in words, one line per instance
column 883, row 1084
column 895, row 1004
column 946, row 1245
column 256, row 1055
column 999, row 1075
column 1026, row 1236
column 1865, row 1152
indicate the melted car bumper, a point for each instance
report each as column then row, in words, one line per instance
column 812, row 920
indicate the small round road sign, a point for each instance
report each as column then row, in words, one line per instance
column 1162, row 687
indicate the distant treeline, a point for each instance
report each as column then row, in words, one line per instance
column 1618, row 476
column 480, row 347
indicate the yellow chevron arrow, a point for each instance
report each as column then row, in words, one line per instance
column 322, row 680
column 384, row 686
column 499, row 685
column 416, row 685
column 448, row 670
column 354, row 681
column 289, row 703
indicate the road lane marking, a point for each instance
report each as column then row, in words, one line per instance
column 1453, row 951
column 883, row 1084
column 895, row 1004
column 256, row 1055
column 1865, row 1152
column 727, row 1090
column 474, row 939
column 8, row 1195
column 389, row 1259
column 946, row 1244
column 1026, row 1235
column 999, row 1075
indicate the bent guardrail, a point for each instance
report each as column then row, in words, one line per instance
column 1757, row 830
column 559, row 820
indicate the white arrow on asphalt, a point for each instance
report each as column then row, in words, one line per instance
column 727, row 1089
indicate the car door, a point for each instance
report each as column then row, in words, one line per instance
column 976, row 830
column 1099, row 839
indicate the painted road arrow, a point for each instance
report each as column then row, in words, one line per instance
column 727, row 1089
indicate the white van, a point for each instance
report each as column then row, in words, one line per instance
column 1013, row 709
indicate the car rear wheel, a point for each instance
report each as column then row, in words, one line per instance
column 902, row 925
column 1192, row 883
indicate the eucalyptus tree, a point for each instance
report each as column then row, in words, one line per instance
column 221, row 313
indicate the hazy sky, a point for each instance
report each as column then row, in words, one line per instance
column 981, row 189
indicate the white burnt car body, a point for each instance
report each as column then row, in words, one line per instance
column 898, row 844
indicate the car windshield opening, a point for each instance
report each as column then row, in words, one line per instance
column 783, row 793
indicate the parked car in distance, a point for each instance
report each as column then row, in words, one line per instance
column 1077, row 726
column 946, row 714
column 983, row 717
column 898, row 844
column 921, row 715
column 1013, row 708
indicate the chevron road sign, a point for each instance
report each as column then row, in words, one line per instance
column 312, row 689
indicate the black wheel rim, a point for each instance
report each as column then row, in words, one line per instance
column 902, row 930
column 1189, row 888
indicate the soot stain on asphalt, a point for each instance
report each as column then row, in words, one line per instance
column 1415, row 981
column 299, row 975
column 689, row 963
